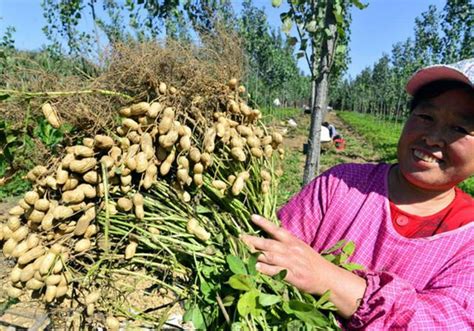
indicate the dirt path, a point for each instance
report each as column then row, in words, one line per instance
column 357, row 149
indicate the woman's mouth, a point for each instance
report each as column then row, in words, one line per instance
column 425, row 157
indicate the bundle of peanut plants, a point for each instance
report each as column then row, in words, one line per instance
column 163, row 198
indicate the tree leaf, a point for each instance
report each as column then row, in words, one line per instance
column 268, row 299
column 287, row 25
column 292, row 41
column 241, row 282
column 276, row 3
column 359, row 4
column 312, row 26
column 236, row 265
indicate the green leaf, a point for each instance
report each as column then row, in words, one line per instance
column 248, row 303
column 338, row 17
column 276, row 3
column 349, row 248
column 237, row 326
column 340, row 49
column 334, row 248
column 241, row 282
column 305, row 312
column 228, row 300
column 312, row 26
column 236, row 265
column 268, row 299
column 287, row 25
column 281, row 275
column 11, row 138
column 330, row 257
column 359, row 4
column 253, row 263
column 205, row 287
column 194, row 315
column 353, row 266
column 292, row 41
column 323, row 299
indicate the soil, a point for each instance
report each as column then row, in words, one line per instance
column 357, row 149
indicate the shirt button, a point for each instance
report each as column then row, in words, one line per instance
column 402, row 220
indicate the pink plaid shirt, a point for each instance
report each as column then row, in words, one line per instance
column 412, row 284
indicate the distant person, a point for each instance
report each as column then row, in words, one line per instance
column 412, row 226
column 325, row 135
column 331, row 128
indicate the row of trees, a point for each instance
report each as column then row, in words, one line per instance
column 271, row 62
column 444, row 36
column 322, row 37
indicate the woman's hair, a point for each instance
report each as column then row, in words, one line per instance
column 436, row 88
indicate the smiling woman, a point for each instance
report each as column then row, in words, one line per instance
column 412, row 226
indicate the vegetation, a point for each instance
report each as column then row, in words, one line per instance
column 382, row 135
column 323, row 34
column 440, row 37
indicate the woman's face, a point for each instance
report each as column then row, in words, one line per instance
column 436, row 148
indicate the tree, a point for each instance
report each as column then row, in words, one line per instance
column 457, row 26
column 321, row 26
column 427, row 37
column 273, row 70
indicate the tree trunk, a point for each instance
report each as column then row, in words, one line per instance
column 320, row 87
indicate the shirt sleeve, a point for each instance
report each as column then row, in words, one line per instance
column 447, row 303
column 302, row 215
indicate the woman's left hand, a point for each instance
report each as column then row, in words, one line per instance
column 306, row 269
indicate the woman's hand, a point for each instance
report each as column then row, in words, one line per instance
column 306, row 269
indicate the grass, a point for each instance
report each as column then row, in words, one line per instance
column 291, row 181
column 15, row 186
column 382, row 135
column 272, row 115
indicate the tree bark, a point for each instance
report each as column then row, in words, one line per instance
column 320, row 105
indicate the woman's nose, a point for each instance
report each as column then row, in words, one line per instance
column 435, row 137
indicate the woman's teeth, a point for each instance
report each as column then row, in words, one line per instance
column 424, row 157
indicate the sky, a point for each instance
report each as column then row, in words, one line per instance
column 373, row 31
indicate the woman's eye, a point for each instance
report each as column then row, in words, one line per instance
column 460, row 130
column 425, row 117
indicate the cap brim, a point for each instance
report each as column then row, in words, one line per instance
column 431, row 74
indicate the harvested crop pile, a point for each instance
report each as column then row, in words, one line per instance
column 159, row 200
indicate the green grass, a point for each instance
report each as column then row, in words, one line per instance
column 382, row 135
column 15, row 186
column 270, row 115
column 292, row 178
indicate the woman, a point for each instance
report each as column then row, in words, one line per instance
column 411, row 224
